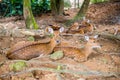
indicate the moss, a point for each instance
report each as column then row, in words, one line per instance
column 57, row 55
column 28, row 15
column 31, row 38
column 17, row 66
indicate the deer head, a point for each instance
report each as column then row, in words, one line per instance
column 90, row 45
column 55, row 35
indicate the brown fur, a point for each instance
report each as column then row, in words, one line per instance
column 29, row 50
column 83, row 28
column 79, row 54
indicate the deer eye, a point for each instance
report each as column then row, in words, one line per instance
column 57, row 41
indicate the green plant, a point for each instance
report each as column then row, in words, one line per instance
column 98, row 1
column 11, row 7
column 67, row 3
column 4, row 7
column 15, row 7
column 40, row 6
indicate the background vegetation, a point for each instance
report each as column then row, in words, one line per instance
column 15, row 7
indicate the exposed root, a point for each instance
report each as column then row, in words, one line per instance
column 110, row 36
column 87, row 72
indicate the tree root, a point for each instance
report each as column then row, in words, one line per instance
column 86, row 72
column 110, row 36
column 90, row 73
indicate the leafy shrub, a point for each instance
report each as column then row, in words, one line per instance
column 40, row 6
column 67, row 3
column 15, row 7
column 98, row 1
column 11, row 7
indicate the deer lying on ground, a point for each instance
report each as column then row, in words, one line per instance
column 26, row 50
column 82, row 28
column 79, row 54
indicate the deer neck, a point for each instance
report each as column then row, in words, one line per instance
column 87, row 49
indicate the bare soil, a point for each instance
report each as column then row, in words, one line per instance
column 103, row 65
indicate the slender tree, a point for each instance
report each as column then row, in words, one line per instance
column 28, row 15
column 78, row 4
column 81, row 13
column 75, row 4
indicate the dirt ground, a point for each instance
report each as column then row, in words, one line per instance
column 103, row 65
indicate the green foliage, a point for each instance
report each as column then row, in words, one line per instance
column 15, row 7
column 67, row 3
column 11, row 7
column 98, row 1
column 40, row 6
column 17, row 66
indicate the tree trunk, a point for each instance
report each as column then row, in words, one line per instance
column 82, row 10
column 57, row 7
column 28, row 16
column 74, row 3
column 53, row 7
column 61, row 7
column 78, row 4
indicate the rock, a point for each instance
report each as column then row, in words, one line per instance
column 57, row 55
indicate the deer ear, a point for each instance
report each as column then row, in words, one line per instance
column 88, row 21
column 87, row 38
column 95, row 37
column 61, row 29
column 49, row 30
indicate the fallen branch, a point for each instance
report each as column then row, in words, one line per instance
column 15, row 32
column 110, row 36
